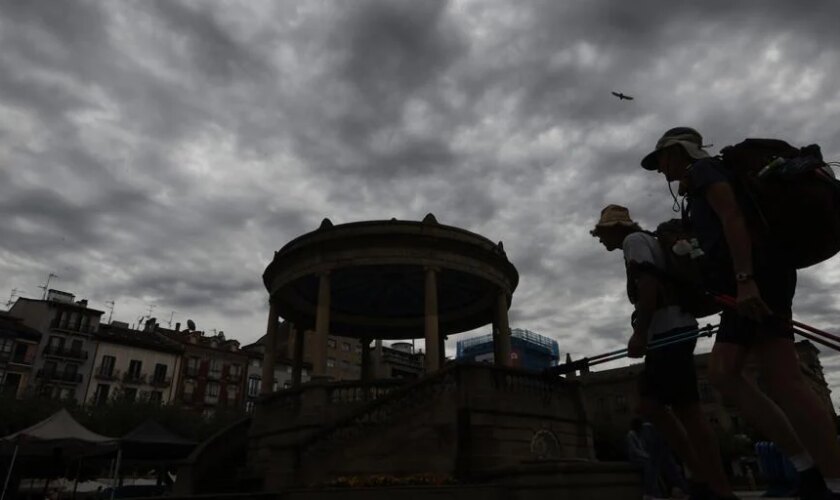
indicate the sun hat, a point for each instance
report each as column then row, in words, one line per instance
column 613, row 215
column 690, row 140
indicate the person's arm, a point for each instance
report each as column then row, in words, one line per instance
column 646, row 287
column 721, row 198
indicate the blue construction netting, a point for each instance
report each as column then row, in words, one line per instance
column 528, row 336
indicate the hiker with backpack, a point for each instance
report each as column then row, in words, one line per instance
column 668, row 383
column 753, row 241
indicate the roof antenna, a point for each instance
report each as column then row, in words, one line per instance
column 12, row 297
column 171, row 315
column 110, row 305
column 46, row 285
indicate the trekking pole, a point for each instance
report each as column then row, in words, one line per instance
column 606, row 357
column 807, row 331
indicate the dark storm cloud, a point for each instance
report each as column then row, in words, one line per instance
column 159, row 152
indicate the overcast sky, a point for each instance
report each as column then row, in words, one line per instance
column 157, row 153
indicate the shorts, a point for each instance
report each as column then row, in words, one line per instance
column 669, row 376
column 777, row 287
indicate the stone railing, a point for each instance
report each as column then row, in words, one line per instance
column 389, row 408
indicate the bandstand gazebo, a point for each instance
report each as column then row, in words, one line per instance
column 469, row 429
column 390, row 280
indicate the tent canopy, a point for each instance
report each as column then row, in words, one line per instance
column 151, row 441
column 60, row 431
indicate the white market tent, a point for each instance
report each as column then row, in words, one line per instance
column 58, row 431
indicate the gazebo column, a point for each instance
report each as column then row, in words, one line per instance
column 270, row 349
column 366, row 360
column 501, row 331
column 322, row 327
column 432, row 330
column 297, row 356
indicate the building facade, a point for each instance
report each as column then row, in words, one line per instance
column 65, row 351
column 212, row 373
column 529, row 351
column 399, row 360
column 18, row 350
column 134, row 365
column 282, row 373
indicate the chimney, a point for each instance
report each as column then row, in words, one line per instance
column 83, row 302
column 177, row 327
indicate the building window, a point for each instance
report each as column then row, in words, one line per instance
column 358, row 349
column 56, row 343
column 234, row 370
column 70, row 371
column 192, row 366
column 331, row 343
column 107, row 367
column 155, row 397
column 100, row 397
column 76, row 347
column 249, row 407
column 130, row 394
column 330, row 362
column 621, row 403
column 50, row 368
column 134, row 367
column 67, row 393
column 212, row 392
column 231, row 394
column 6, row 346
column 215, row 368
column 160, row 372
column 345, row 346
column 253, row 386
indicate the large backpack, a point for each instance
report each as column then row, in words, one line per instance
column 684, row 263
column 682, row 279
column 794, row 196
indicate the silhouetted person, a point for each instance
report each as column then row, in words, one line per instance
column 668, row 383
column 764, row 283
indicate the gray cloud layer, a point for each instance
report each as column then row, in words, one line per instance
column 158, row 152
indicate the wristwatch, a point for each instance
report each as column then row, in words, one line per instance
column 743, row 277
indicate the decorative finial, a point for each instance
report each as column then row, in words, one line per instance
column 430, row 219
column 326, row 224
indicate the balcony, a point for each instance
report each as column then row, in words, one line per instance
column 63, row 352
column 160, row 381
column 75, row 327
column 102, row 373
column 55, row 376
column 134, row 378
column 23, row 359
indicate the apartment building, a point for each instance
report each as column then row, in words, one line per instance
column 134, row 365
column 18, row 349
column 64, row 355
column 212, row 373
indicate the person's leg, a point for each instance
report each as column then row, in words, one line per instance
column 726, row 365
column 812, row 422
column 675, row 435
column 705, row 444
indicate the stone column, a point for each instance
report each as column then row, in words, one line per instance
column 269, row 349
column 366, row 360
column 501, row 332
column 322, row 327
column 432, row 359
column 297, row 357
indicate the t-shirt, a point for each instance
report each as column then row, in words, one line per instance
column 705, row 222
column 643, row 248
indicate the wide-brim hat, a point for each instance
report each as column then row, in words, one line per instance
column 686, row 137
column 614, row 215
